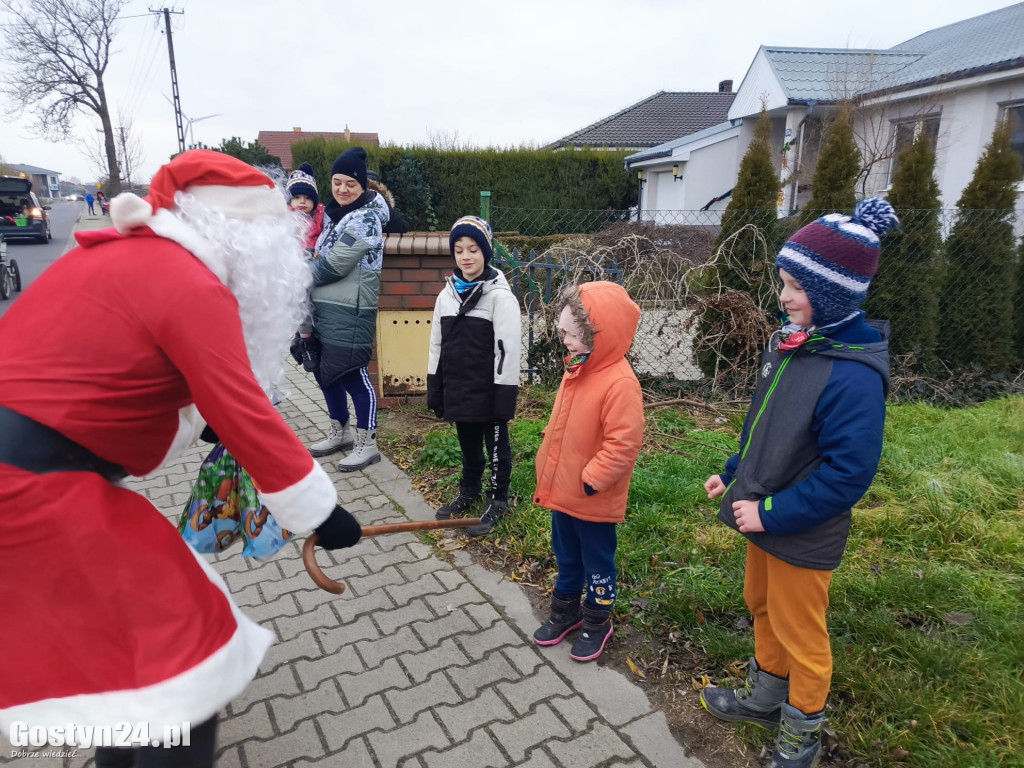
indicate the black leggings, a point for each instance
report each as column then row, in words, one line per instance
column 473, row 438
column 199, row 754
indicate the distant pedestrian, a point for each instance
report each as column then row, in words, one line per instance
column 586, row 460
column 89, row 200
column 473, row 369
column 808, row 452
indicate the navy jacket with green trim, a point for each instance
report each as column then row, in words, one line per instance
column 811, row 442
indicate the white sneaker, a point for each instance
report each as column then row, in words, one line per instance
column 365, row 453
column 339, row 438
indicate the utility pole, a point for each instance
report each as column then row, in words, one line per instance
column 125, row 160
column 174, row 74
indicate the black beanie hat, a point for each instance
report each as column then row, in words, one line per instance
column 302, row 182
column 352, row 162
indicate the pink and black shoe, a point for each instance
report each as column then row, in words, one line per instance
column 565, row 617
column 597, row 631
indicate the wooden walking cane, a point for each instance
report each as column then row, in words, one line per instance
column 336, row 587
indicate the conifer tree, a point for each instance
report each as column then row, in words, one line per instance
column 977, row 301
column 746, row 243
column 835, row 177
column 908, row 284
column 753, row 201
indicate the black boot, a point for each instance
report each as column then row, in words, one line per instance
column 490, row 518
column 565, row 617
column 460, row 505
column 597, row 630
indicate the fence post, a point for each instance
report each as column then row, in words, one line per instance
column 485, row 206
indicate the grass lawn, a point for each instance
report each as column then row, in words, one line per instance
column 927, row 614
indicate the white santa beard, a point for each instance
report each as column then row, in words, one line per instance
column 267, row 271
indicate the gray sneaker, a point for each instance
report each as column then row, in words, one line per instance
column 458, row 506
column 490, row 518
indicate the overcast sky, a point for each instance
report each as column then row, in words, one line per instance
column 489, row 73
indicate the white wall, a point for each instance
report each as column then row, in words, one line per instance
column 710, row 172
column 968, row 117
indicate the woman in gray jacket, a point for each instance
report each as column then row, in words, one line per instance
column 346, row 284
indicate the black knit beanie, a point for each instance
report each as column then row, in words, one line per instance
column 352, row 162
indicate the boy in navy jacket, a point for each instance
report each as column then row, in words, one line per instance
column 809, row 450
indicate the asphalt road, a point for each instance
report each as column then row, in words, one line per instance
column 33, row 257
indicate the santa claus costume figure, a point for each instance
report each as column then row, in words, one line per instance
column 111, row 363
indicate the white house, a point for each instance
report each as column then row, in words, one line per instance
column 951, row 83
column 45, row 183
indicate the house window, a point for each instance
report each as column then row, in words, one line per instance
column 905, row 132
column 1015, row 116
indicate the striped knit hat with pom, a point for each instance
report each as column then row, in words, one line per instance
column 835, row 257
column 302, row 182
column 476, row 229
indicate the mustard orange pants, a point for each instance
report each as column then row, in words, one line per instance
column 791, row 640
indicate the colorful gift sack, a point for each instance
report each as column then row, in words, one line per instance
column 224, row 506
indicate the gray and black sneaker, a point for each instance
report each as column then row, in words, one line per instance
column 490, row 518
column 459, row 506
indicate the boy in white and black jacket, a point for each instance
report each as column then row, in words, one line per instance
column 473, row 372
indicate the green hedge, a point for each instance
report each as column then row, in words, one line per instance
column 435, row 187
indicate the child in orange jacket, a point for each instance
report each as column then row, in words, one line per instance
column 586, row 461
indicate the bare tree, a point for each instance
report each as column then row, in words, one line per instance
column 445, row 140
column 129, row 151
column 58, row 52
column 857, row 81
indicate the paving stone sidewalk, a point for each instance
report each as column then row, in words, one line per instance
column 421, row 663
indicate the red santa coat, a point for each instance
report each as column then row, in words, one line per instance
column 110, row 616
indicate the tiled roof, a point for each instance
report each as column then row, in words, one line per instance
column 984, row 43
column 832, row 74
column 665, row 116
column 279, row 143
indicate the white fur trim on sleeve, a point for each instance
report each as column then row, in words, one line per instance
column 302, row 507
column 128, row 211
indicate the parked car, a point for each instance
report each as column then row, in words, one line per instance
column 21, row 213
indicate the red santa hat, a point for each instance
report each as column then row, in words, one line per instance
column 218, row 181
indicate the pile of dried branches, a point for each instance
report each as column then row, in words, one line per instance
column 724, row 328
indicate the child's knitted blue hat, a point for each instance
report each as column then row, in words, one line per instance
column 835, row 257
column 477, row 229
column 302, row 182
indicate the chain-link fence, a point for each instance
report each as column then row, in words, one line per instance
column 950, row 283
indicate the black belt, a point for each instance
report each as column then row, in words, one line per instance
column 34, row 447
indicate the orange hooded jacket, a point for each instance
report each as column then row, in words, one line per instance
column 597, row 423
